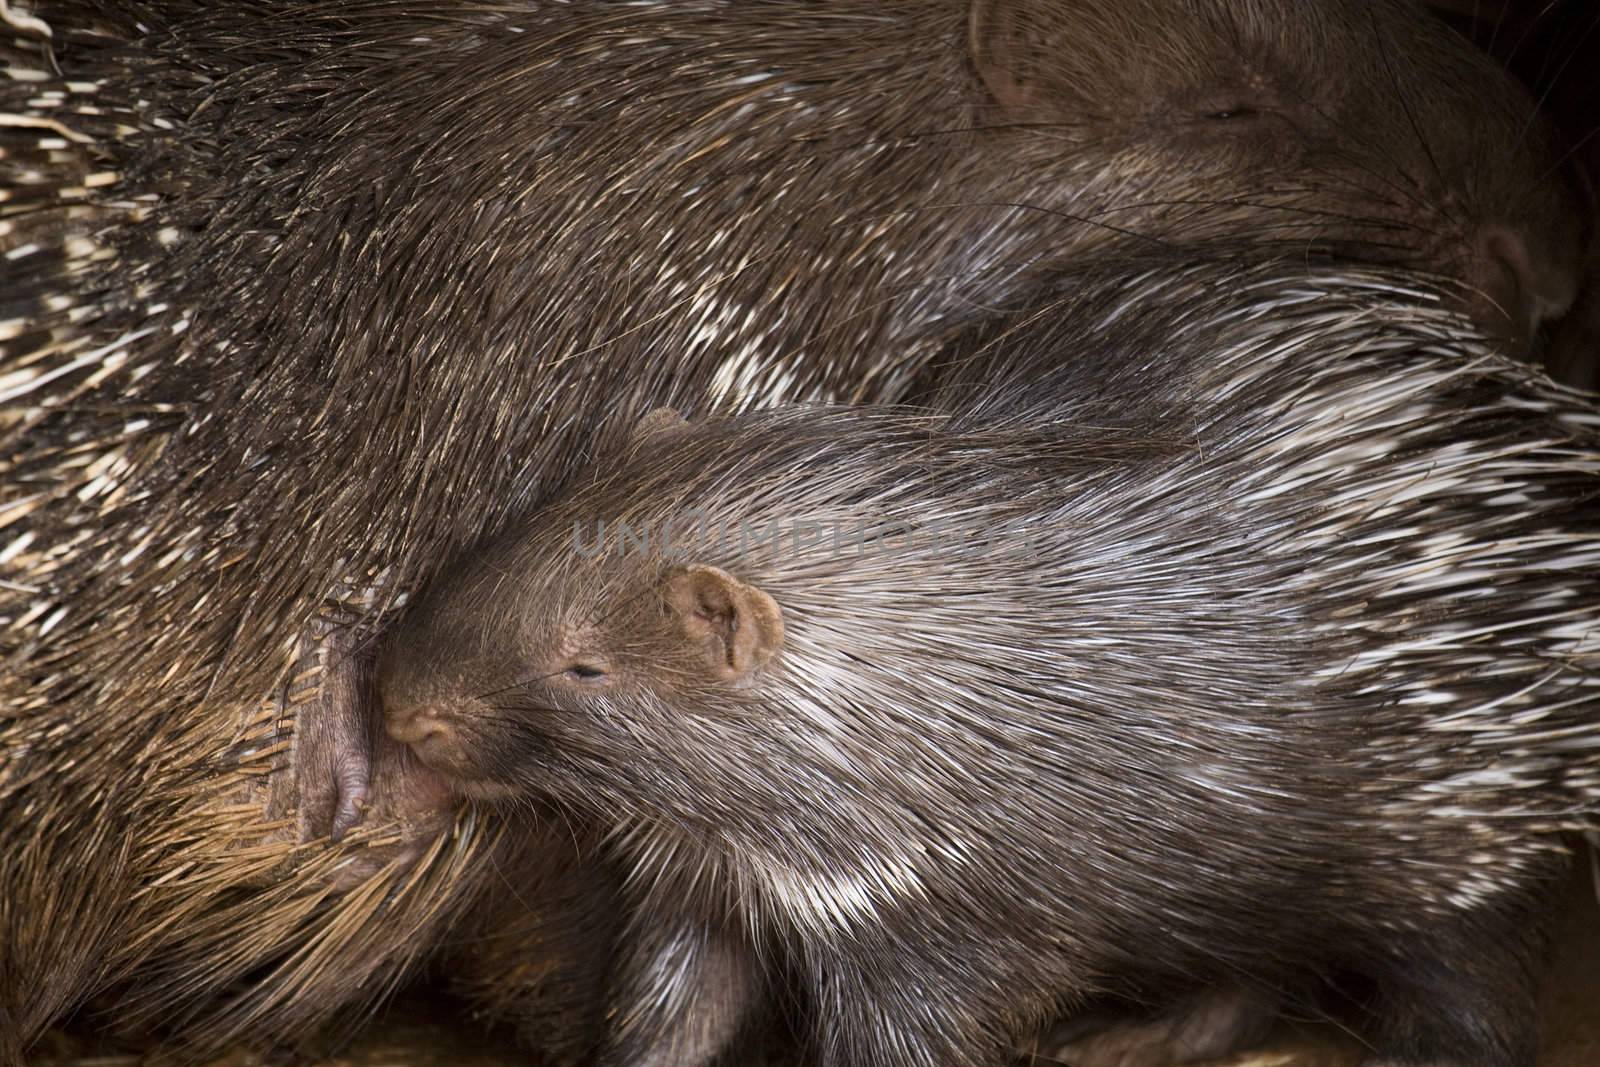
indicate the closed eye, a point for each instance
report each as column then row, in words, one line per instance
column 585, row 672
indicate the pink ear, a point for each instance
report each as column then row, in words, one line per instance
column 736, row 626
column 999, row 42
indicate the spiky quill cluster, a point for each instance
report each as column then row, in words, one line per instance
column 1269, row 650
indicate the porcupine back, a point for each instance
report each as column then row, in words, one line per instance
column 1486, row 463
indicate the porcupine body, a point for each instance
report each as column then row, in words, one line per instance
column 1240, row 625
column 155, row 772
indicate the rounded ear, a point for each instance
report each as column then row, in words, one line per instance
column 736, row 627
column 1003, row 51
column 659, row 421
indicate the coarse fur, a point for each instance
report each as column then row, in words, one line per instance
column 298, row 299
column 1228, row 624
column 537, row 953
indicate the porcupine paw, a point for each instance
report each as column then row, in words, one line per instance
column 334, row 742
column 347, row 773
column 340, row 804
column 1204, row 1026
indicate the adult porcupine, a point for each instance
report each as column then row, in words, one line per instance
column 143, row 839
column 263, row 262
column 1253, row 637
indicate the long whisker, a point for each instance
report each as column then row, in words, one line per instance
column 1569, row 154
column 522, row 684
column 1405, row 104
column 1573, row 53
column 1523, row 38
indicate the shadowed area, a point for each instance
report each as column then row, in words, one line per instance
column 421, row 1029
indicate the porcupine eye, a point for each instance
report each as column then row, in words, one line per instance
column 1232, row 113
column 587, row 673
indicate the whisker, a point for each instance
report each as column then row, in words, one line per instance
column 1405, row 105
column 1572, row 54
column 1523, row 38
column 1410, row 190
column 1569, row 154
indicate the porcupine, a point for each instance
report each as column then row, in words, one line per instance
column 261, row 260
column 171, row 857
column 1211, row 624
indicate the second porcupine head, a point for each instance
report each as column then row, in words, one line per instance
column 256, row 290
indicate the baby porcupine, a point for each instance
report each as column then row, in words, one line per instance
column 1221, row 624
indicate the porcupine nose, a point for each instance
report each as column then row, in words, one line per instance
column 424, row 727
column 1520, row 290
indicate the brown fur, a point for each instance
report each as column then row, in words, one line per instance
column 537, row 955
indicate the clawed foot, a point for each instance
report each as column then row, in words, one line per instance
column 334, row 742
column 347, row 772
